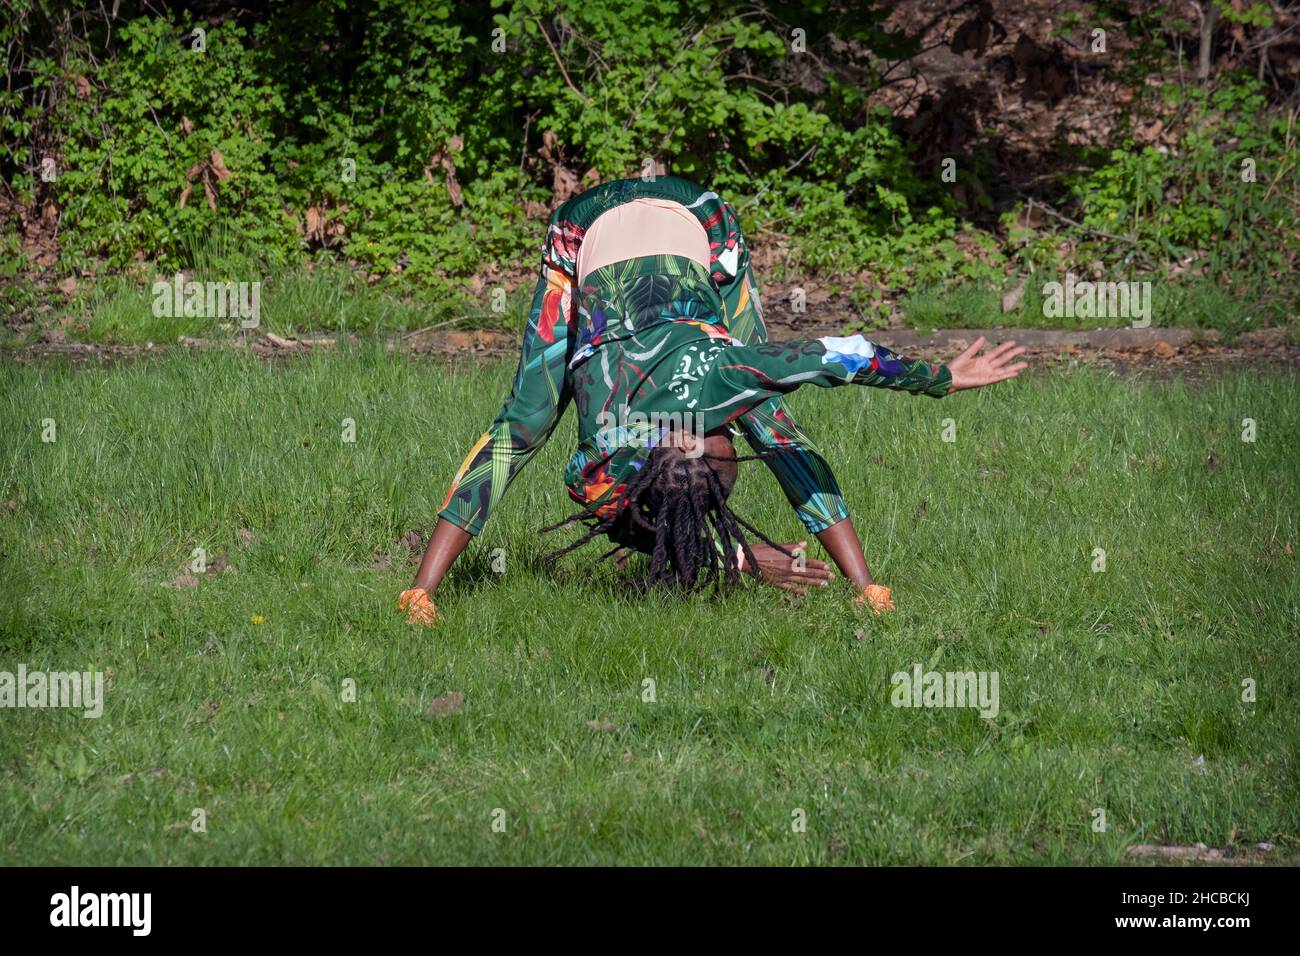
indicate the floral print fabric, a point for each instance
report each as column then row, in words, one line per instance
column 656, row 342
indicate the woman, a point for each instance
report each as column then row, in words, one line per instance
column 647, row 315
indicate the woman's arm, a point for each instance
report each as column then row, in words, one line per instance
column 972, row 370
column 763, row 371
column 840, row 540
column 745, row 376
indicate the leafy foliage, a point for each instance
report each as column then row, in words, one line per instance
column 421, row 143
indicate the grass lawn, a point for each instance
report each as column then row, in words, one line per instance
column 1120, row 690
column 118, row 310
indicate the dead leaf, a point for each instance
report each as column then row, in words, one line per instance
column 412, row 540
column 564, row 183
column 548, row 145
column 1011, row 301
column 1030, row 217
column 217, row 565
column 1149, row 133
column 974, row 34
column 211, row 707
column 444, row 159
column 320, row 228
column 83, row 86
column 182, row 581
column 446, row 705
column 186, row 126
column 604, row 725
column 245, row 536
column 453, row 190
column 218, row 163
column 1164, row 350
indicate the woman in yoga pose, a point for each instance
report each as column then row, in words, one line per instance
column 647, row 316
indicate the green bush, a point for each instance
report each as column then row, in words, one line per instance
column 415, row 144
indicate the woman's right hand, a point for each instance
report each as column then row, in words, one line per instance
column 781, row 570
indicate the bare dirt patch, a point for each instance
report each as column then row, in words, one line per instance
column 1161, row 353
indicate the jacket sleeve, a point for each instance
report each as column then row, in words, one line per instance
column 745, row 376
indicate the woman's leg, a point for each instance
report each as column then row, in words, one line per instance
column 771, row 430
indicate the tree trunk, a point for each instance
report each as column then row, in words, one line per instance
column 1208, row 21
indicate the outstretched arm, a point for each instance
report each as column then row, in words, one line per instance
column 742, row 377
column 755, row 374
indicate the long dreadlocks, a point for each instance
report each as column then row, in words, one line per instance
column 675, row 510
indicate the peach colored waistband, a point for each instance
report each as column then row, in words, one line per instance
column 642, row 227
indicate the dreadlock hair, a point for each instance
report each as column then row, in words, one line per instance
column 675, row 510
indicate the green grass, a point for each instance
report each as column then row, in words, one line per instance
column 326, row 297
column 120, row 311
column 1198, row 304
column 1112, row 684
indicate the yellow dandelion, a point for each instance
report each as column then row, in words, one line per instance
column 257, row 619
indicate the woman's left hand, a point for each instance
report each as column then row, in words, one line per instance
column 780, row 570
column 972, row 370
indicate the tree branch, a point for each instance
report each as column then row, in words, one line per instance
column 560, row 63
